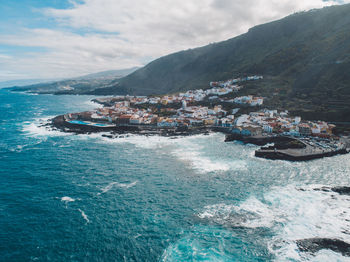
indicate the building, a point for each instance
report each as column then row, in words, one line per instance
column 304, row 129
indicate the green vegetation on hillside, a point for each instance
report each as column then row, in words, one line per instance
column 305, row 59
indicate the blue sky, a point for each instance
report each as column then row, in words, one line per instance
column 26, row 13
column 66, row 38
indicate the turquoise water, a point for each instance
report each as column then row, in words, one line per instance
column 70, row 197
column 78, row 122
column 85, row 123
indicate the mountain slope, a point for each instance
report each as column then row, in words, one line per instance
column 305, row 59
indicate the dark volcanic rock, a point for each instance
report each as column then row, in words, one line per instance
column 342, row 190
column 59, row 123
column 313, row 245
column 258, row 140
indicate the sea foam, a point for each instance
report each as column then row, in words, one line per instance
column 122, row 185
column 291, row 213
column 189, row 150
column 84, row 216
column 38, row 128
column 67, row 199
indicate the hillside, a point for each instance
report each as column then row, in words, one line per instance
column 305, row 59
column 23, row 82
column 78, row 85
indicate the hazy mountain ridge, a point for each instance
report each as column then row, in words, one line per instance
column 23, row 82
column 78, row 85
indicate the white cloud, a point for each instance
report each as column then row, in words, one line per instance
column 3, row 56
column 127, row 33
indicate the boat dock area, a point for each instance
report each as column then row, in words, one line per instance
column 312, row 150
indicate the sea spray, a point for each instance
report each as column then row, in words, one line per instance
column 121, row 185
column 85, row 217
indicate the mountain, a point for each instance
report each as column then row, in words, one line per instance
column 109, row 74
column 23, row 82
column 78, row 85
column 305, row 60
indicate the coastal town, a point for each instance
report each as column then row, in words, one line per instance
column 217, row 108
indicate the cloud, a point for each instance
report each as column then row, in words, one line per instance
column 3, row 56
column 96, row 35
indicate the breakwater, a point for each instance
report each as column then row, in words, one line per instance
column 288, row 148
column 296, row 155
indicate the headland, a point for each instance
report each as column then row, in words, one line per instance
column 216, row 109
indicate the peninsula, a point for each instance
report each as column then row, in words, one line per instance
column 219, row 108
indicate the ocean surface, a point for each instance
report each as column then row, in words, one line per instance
column 88, row 198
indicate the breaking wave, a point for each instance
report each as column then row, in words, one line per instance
column 193, row 246
column 67, row 199
column 292, row 214
column 191, row 150
column 39, row 128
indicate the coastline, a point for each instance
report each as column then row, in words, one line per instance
column 61, row 124
column 284, row 147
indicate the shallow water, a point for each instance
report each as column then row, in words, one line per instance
column 89, row 198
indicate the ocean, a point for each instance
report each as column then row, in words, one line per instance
column 67, row 197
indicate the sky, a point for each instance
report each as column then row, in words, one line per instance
column 51, row 39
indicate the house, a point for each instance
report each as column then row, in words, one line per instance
column 242, row 119
column 123, row 119
column 209, row 121
column 135, row 119
column 267, row 128
column 98, row 118
column 304, row 129
column 196, row 122
column 251, row 131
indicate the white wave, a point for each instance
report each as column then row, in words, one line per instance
column 18, row 148
column 29, row 93
column 125, row 185
column 326, row 255
column 308, row 213
column 122, row 185
column 108, row 187
column 192, row 247
column 67, row 199
column 37, row 128
column 84, row 216
column 190, row 150
column 252, row 214
column 292, row 214
column 140, row 141
column 193, row 155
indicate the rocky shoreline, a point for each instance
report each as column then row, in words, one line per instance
column 314, row 245
column 283, row 148
column 61, row 124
